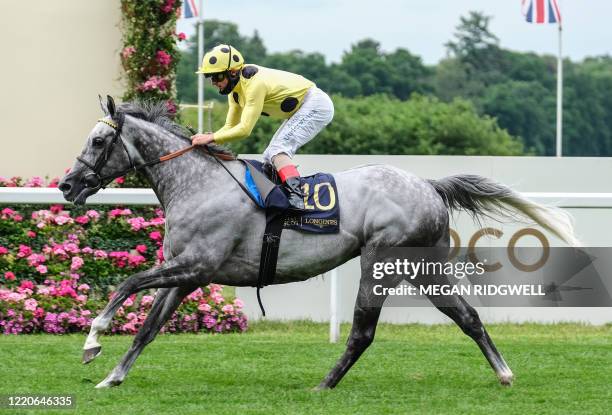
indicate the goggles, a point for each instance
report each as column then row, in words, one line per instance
column 216, row 77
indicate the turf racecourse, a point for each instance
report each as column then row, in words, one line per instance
column 559, row 369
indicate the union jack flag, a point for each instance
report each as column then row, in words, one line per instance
column 541, row 11
column 189, row 9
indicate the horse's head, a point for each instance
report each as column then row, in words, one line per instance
column 104, row 157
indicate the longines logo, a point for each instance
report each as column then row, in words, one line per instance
column 511, row 248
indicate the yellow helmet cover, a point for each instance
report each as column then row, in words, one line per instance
column 221, row 58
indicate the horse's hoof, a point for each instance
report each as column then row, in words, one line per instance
column 506, row 380
column 108, row 383
column 91, row 354
column 320, row 387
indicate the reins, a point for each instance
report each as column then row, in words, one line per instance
column 95, row 180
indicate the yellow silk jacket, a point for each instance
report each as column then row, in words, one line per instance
column 261, row 91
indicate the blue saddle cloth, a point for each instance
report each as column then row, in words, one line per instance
column 322, row 213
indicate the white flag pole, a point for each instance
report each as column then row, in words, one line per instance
column 560, row 96
column 200, row 76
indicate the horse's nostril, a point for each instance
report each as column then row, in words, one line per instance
column 64, row 187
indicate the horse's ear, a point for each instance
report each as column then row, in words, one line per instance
column 110, row 105
column 102, row 105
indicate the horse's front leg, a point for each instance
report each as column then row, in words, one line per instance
column 166, row 302
column 176, row 272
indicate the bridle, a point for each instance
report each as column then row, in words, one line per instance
column 95, row 180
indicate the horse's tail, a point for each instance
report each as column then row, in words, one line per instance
column 481, row 196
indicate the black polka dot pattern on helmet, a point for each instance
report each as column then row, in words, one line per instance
column 236, row 58
column 225, row 50
column 289, row 104
column 249, row 71
column 265, row 114
column 236, row 97
column 212, row 60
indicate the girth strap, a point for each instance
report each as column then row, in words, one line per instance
column 269, row 250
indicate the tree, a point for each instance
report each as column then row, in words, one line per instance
column 526, row 110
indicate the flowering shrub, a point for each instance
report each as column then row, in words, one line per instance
column 150, row 55
column 58, row 265
column 66, row 307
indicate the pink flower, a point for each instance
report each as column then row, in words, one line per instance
column 157, row 221
column 128, row 302
column 35, row 259
column 54, row 182
column 29, row 285
column 30, row 304
column 228, row 308
column 154, row 82
column 160, row 254
column 100, row 254
column 72, row 248
column 83, row 287
column 42, row 269
column 182, row 36
column 24, row 251
column 3, row 250
column 31, row 234
column 77, row 262
column 93, row 214
column 136, row 260
column 8, row 212
column 39, row 312
column 168, row 5
column 35, row 181
column 9, row 276
column 128, row 51
column 120, row 180
column 17, row 218
column 155, row 235
column 146, row 300
column 141, row 248
column 204, row 307
column 172, row 108
column 137, row 223
column 81, row 298
column 82, row 220
column 238, row 303
column 56, row 208
column 163, row 58
column 62, row 220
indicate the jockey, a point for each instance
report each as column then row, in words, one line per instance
column 254, row 91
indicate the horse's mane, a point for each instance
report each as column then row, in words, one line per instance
column 157, row 112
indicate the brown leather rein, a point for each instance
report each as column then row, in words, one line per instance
column 221, row 156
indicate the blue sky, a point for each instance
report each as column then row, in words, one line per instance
column 422, row 27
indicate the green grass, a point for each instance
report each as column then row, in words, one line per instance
column 271, row 369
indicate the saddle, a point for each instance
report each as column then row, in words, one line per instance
column 321, row 214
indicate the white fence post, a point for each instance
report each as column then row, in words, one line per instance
column 334, row 305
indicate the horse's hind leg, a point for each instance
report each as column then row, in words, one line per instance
column 362, row 335
column 365, row 319
column 166, row 302
column 467, row 318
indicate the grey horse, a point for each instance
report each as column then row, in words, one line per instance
column 214, row 231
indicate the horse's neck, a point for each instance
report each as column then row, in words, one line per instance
column 174, row 176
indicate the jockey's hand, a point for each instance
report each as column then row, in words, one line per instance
column 200, row 139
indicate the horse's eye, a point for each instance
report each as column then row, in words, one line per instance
column 98, row 142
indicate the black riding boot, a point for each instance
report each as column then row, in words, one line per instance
column 294, row 193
